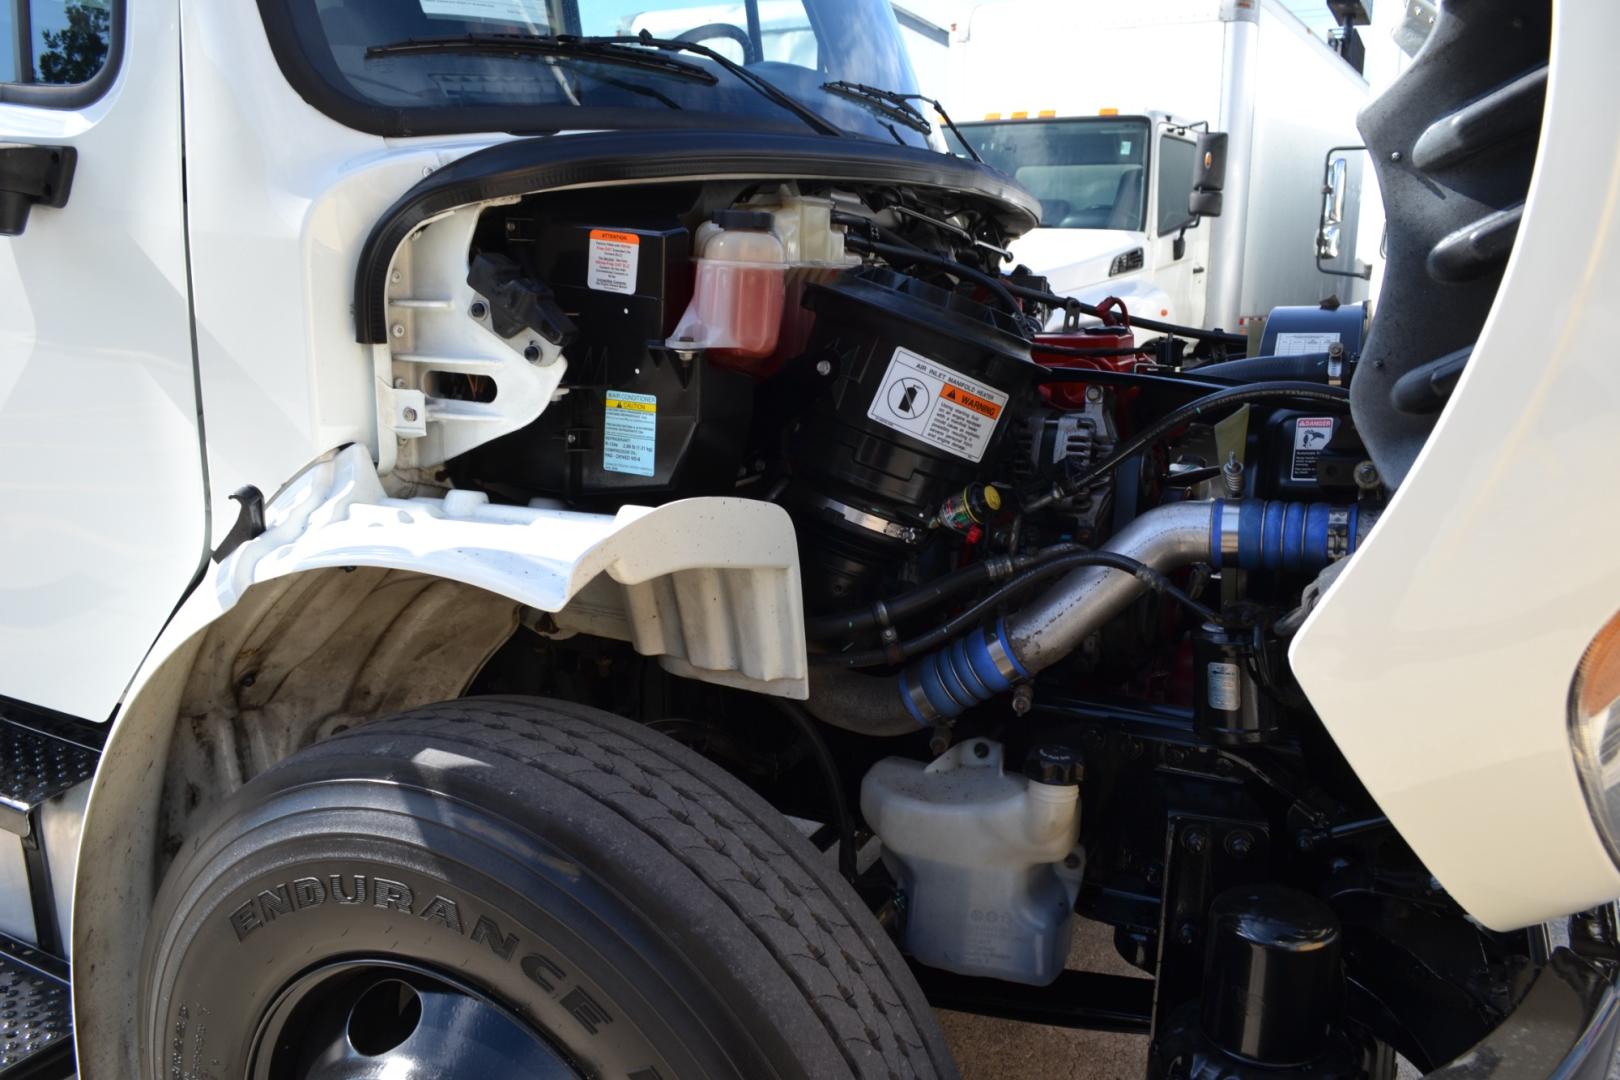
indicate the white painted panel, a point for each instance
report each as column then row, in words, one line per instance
column 101, row 504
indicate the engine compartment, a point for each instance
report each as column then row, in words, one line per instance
column 1051, row 558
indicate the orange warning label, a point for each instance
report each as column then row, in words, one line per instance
column 970, row 401
column 616, row 237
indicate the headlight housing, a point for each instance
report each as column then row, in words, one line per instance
column 1594, row 728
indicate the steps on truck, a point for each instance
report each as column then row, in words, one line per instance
column 34, row 767
column 36, row 1025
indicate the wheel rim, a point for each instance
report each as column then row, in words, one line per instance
column 387, row 1020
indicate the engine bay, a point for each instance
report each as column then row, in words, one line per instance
column 1051, row 556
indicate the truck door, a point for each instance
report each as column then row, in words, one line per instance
column 101, row 495
column 1180, row 247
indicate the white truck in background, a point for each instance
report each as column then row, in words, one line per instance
column 1096, row 107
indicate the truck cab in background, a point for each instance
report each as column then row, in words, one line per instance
column 1114, row 194
column 1098, row 114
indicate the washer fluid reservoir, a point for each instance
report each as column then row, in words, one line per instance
column 989, row 862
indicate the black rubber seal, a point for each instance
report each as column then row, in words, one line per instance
column 527, row 166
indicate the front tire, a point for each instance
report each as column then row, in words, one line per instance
column 535, row 883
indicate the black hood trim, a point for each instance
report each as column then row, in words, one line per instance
column 528, row 166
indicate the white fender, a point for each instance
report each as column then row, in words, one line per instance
column 709, row 585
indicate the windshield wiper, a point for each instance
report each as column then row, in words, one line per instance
column 892, row 104
column 548, row 45
column 899, row 108
column 631, row 51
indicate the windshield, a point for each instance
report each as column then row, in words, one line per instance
column 1088, row 173
column 331, row 50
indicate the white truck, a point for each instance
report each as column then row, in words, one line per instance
column 461, row 618
column 1095, row 107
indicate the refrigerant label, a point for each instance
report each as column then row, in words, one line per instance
column 1311, row 434
column 613, row 257
column 1225, row 689
column 936, row 405
column 1299, row 344
column 629, row 433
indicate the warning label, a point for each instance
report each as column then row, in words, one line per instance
column 1311, row 435
column 629, row 433
column 613, row 257
column 1301, row 344
column 936, row 405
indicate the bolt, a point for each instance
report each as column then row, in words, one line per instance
column 1176, row 755
column 1394, row 155
column 940, row 740
column 1366, row 476
column 398, row 329
column 981, row 749
column 478, row 310
column 571, row 438
column 248, row 680
column 1305, row 839
column 1071, row 861
column 531, row 353
column 1154, row 873
column 399, row 384
column 823, row 367
column 1023, row 699
column 410, row 415
column 1187, row 933
column 1239, row 844
column 1194, row 840
column 1094, row 393
column 396, row 276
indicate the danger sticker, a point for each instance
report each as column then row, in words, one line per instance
column 938, row 406
column 629, row 433
column 613, row 257
column 1311, row 436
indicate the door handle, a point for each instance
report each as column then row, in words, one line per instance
column 1198, row 269
column 32, row 175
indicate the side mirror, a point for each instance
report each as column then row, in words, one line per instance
column 1209, row 175
column 1332, row 225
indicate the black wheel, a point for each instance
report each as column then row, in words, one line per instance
column 497, row 888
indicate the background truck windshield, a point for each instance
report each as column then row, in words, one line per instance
column 330, row 51
column 1088, row 173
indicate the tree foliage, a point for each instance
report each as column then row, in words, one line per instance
column 76, row 52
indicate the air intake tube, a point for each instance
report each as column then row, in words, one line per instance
column 1250, row 534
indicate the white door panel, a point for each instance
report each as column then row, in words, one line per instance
column 101, row 495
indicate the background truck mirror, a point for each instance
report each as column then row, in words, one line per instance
column 1204, row 203
column 1211, row 171
column 1330, row 226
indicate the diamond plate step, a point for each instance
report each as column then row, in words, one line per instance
column 36, row 1020
column 35, row 766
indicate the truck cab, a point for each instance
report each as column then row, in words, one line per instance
column 1114, row 195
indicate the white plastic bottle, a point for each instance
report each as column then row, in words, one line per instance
column 984, row 861
column 736, row 308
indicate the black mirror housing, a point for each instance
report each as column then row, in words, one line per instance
column 1209, row 174
column 1204, row 203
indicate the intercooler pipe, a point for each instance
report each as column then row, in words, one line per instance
column 1251, row 534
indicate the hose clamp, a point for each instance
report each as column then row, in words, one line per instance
column 995, row 644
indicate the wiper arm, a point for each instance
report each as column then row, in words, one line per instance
column 897, row 107
column 763, row 86
column 889, row 103
column 630, row 51
column 548, row 45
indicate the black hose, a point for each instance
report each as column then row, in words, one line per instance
column 975, row 614
column 1307, row 367
column 895, row 252
column 835, row 785
column 1144, row 379
column 916, row 601
column 1327, row 396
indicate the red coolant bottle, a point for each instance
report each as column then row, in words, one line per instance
column 1114, row 334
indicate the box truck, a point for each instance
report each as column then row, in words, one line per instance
column 1095, row 107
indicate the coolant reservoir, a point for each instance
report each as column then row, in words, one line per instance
column 736, row 308
column 983, row 859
